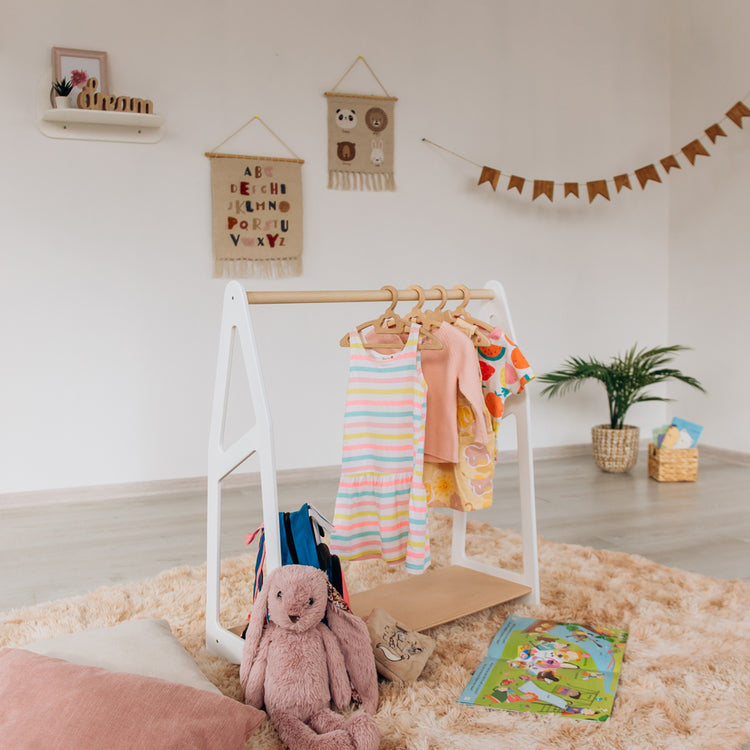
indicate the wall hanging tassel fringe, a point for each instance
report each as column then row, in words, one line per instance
column 360, row 138
column 257, row 213
column 600, row 188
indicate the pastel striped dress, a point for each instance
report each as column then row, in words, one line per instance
column 381, row 505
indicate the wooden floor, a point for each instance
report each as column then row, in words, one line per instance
column 57, row 550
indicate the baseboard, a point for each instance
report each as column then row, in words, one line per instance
column 548, row 452
column 731, row 457
column 158, row 487
column 161, row 487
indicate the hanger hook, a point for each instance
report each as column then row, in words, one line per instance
column 394, row 298
column 443, row 296
column 420, row 293
column 467, row 296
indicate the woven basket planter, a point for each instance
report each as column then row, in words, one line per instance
column 615, row 450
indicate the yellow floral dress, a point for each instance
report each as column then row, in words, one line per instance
column 466, row 485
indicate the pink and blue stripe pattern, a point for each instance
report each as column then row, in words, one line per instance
column 381, row 506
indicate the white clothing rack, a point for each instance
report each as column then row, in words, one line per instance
column 467, row 585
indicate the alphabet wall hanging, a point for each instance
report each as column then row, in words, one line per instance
column 360, row 138
column 257, row 213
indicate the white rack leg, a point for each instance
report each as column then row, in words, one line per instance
column 236, row 331
column 497, row 312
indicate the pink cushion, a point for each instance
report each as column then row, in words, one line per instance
column 47, row 702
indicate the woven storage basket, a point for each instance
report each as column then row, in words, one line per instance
column 672, row 465
column 615, row 450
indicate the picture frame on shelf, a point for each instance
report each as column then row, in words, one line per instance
column 78, row 65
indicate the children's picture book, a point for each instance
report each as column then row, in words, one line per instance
column 547, row 667
column 679, row 434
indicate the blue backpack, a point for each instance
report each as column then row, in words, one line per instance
column 301, row 544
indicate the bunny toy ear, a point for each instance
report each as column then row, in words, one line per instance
column 254, row 631
column 354, row 639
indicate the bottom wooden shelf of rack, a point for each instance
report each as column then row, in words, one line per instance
column 438, row 596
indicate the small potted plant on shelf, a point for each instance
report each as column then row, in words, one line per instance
column 625, row 379
column 62, row 90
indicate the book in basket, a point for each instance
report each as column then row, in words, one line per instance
column 547, row 667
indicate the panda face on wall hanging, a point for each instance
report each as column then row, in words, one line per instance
column 346, row 119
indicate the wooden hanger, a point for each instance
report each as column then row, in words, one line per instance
column 378, row 324
column 391, row 322
column 417, row 314
column 474, row 328
column 428, row 340
column 439, row 315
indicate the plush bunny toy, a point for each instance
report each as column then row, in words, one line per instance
column 296, row 665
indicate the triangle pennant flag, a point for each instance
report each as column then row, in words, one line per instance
column 715, row 131
column 737, row 113
column 543, row 187
column 489, row 175
column 693, row 150
column 597, row 187
column 622, row 181
column 670, row 162
column 516, row 182
column 644, row 174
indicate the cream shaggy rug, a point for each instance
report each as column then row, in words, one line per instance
column 685, row 681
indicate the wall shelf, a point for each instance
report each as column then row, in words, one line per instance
column 93, row 124
column 99, row 125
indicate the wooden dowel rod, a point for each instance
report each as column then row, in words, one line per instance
column 353, row 295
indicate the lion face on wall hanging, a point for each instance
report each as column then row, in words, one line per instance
column 376, row 119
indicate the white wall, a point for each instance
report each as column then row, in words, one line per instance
column 108, row 311
column 709, row 260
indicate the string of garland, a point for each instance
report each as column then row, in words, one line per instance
column 596, row 188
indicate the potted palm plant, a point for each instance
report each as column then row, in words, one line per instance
column 625, row 378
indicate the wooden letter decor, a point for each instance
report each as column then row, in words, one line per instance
column 90, row 98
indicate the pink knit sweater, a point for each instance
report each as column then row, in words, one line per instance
column 448, row 371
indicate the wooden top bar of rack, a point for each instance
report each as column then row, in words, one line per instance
column 353, row 295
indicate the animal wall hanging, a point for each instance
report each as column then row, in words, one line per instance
column 360, row 138
column 601, row 187
column 257, row 213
